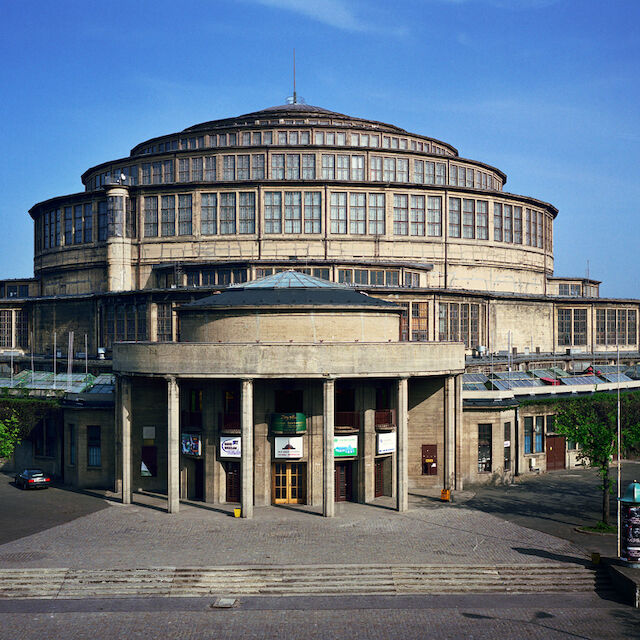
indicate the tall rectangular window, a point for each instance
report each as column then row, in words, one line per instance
column 338, row 213
column 579, row 326
column 402, row 170
column 273, row 212
column 540, row 230
column 376, row 214
column 167, row 167
column 146, row 173
column 312, row 212
column 429, row 172
column 243, row 167
column 389, row 172
column 210, row 168
column 88, row 223
column 293, row 166
column 292, row 212
column 631, row 326
column 482, row 220
column 527, row 227
column 156, row 173
column 77, row 224
column 164, row 322
column 208, row 214
column 484, row 448
column 441, row 173
column 150, row 216
column 612, row 335
column 227, row 213
column 102, row 222
column 418, row 171
column 308, row 166
column 419, row 321
column 507, row 446
column 375, row 168
column 328, row 167
column 417, row 220
column 183, row 170
column 94, row 446
column 168, row 216
column 468, row 219
column 184, row 215
column 68, row 225
column 357, row 167
column 454, row 217
column 228, row 167
column 342, row 172
column 257, row 166
column 400, row 214
column 247, row 212
column 357, row 214
column 538, row 443
column 528, row 434
column 508, row 223
column 115, row 217
column 277, row 166
column 434, row 216
column 517, row 225
column 564, row 327
column 601, row 326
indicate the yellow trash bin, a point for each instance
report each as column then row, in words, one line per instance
column 237, row 513
column 445, row 495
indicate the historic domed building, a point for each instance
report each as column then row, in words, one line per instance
column 399, row 216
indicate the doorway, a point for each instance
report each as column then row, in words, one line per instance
column 343, row 478
column 232, row 472
column 289, row 483
column 556, row 447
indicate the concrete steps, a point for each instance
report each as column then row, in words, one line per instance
column 301, row 580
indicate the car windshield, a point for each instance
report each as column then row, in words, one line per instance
column 34, row 473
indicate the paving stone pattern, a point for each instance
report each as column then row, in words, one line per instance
column 140, row 536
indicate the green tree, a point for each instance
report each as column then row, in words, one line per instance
column 592, row 422
column 9, row 435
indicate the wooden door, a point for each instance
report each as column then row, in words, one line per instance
column 556, row 447
column 379, row 478
column 343, row 482
column 232, row 470
column 289, row 483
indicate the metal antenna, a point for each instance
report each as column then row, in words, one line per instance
column 295, row 95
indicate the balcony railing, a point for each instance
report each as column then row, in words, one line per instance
column 385, row 419
column 230, row 421
column 346, row 421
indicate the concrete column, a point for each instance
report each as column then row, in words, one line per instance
column 246, row 419
column 368, row 448
column 328, row 468
column 173, row 445
column 449, row 432
column 402, row 453
column 125, row 417
column 458, row 481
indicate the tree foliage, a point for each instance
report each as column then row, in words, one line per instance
column 9, row 436
column 591, row 421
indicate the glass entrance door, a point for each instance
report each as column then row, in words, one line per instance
column 289, row 483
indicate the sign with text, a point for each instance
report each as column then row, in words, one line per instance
column 345, row 446
column 387, row 442
column 288, row 423
column 289, row 447
column 231, row 447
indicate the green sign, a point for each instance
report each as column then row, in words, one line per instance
column 287, row 423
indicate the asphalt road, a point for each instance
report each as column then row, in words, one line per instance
column 494, row 617
column 25, row 512
column 556, row 503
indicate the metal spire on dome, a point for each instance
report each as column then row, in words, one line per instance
column 294, row 98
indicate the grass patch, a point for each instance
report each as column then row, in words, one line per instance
column 600, row 527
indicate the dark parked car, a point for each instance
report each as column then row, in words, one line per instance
column 33, row 479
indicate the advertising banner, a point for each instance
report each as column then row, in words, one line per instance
column 386, row 442
column 345, row 446
column 231, row 447
column 289, row 447
column 288, row 423
column 191, row 444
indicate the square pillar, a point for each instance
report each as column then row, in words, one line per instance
column 173, row 445
column 402, row 453
column 246, row 425
column 458, row 481
column 452, row 395
column 125, row 418
column 328, row 467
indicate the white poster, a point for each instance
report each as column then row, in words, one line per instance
column 231, row 447
column 387, row 442
column 289, row 447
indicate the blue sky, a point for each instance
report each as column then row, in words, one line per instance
column 546, row 90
